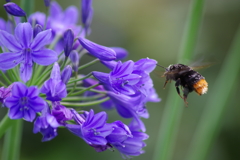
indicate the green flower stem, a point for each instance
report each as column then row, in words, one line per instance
column 88, row 64
column 5, row 78
column 84, row 90
column 92, row 90
column 85, row 104
column 80, row 79
column 79, row 98
column 12, row 141
column 64, row 63
column 5, row 124
column 27, row 6
column 174, row 105
column 211, row 120
column 75, row 83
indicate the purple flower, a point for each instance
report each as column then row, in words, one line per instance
column 54, row 88
column 98, row 51
column 132, row 146
column 68, row 41
column 46, row 124
column 119, row 134
column 37, row 18
column 61, row 113
column 25, row 51
column 130, row 107
column 128, row 78
column 5, row 92
column 24, row 102
column 14, row 9
column 60, row 21
column 87, row 14
column 92, row 128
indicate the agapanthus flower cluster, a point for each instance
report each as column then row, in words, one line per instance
column 42, row 81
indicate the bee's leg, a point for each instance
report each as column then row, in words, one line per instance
column 185, row 95
column 165, row 83
column 177, row 84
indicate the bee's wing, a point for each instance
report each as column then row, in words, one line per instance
column 198, row 67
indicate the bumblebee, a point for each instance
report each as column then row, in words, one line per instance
column 187, row 78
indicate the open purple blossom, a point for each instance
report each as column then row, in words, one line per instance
column 61, row 113
column 46, row 124
column 24, row 102
column 59, row 21
column 129, row 77
column 132, row 146
column 119, row 134
column 14, row 9
column 98, row 51
column 5, row 92
column 54, row 88
column 130, row 107
column 25, row 50
column 92, row 128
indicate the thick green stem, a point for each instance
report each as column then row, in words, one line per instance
column 5, row 124
column 12, row 141
column 211, row 120
column 79, row 98
column 5, row 78
column 85, row 104
column 174, row 106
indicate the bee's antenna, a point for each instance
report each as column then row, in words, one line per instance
column 162, row 67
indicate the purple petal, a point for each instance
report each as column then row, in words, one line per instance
column 32, row 92
column 98, row 121
column 26, row 71
column 87, row 12
column 71, row 15
column 102, row 77
column 97, row 140
column 9, row 60
column 37, row 104
column 123, row 69
column 44, row 57
column 15, row 112
column 55, row 10
column 66, row 74
column 109, row 64
column 24, row 34
column 47, row 3
column 55, row 74
column 11, row 101
column 37, row 18
column 120, row 52
column 43, row 38
column 101, row 52
column 19, row 90
column 29, row 115
column 9, row 41
column 146, row 64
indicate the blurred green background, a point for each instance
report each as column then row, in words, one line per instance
column 154, row 29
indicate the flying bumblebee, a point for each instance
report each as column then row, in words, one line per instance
column 187, row 78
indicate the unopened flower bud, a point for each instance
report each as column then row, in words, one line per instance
column 66, row 74
column 96, row 50
column 14, row 9
column 74, row 57
column 68, row 41
column 47, row 3
column 38, row 28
